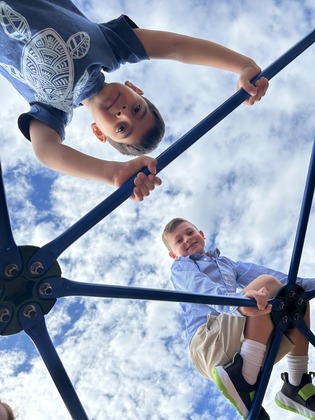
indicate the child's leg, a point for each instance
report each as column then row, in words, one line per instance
column 298, row 338
column 237, row 381
column 298, row 393
column 258, row 330
column 298, row 357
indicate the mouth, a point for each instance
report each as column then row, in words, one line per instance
column 113, row 102
column 191, row 246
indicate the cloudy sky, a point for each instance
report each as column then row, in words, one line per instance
column 241, row 183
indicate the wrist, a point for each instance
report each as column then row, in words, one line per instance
column 249, row 67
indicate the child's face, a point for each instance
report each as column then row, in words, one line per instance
column 121, row 114
column 185, row 240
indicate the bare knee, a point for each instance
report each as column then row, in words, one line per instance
column 267, row 281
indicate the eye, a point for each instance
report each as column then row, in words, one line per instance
column 121, row 128
column 136, row 109
column 178, row 241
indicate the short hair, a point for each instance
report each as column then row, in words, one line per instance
column 8, row 410
column 149, row 141
column 170, row 227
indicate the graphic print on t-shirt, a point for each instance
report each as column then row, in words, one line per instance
column 46, row 61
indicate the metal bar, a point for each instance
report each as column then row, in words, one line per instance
column 307, row 296
column 10, row 258
column 36, row 329
column 6, row 238
column 62, row 287
column 303, row 220
column 303, row 327
column 266, row 372
column 51, row 251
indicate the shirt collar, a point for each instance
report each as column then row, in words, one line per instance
column 213, row 253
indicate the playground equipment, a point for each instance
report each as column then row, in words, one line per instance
column 31, row 281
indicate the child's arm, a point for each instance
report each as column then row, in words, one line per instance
column 190, row 50
column 52, row 153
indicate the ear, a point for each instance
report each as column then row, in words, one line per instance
column 98, row 133
column 172, row 255
column 202, row 234
column 134, row 88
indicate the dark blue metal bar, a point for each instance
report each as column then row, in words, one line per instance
column 301, row 325
column 307, row 296
column 303, row 220
column 9, row 252
column 6, row 238
column 51, row 251
column 36, row 329
column 62, row 287
column 266, row 372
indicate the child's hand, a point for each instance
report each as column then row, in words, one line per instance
column 143, row 184
column 261, row 297
column 256, row 91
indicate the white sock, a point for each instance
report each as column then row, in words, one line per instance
column 253, row 354
column 297, row 366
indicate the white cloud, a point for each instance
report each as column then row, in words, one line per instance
column 241, row 183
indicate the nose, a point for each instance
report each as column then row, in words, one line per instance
column 122, row 110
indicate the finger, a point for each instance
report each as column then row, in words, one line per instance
column 263, row 290
column 262, row 86
column 249, row 88
column 137, row 195
column 261, row 304
column 267, row 310
column 144, row 182
column 152, row 166
column 251, row 100
column 265, row 83
column 155, row 180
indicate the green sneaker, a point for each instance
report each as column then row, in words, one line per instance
column 231, row 383
column 299, row 399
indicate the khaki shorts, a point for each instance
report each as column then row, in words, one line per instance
column 216, row 342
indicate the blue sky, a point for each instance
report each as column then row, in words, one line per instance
column 241, row 183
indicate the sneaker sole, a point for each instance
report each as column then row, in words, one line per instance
column 225, row 385
column 288, row 404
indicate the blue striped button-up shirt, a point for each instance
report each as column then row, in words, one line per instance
column 213, row 274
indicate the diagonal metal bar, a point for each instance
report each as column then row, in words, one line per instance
column 303, row 220
column 307, row 296
column 36, row 329
column 51, row 251
column 303, row 327
column 266, row 372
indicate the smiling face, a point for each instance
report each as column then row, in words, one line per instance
column 185, row 240
column 120, row 113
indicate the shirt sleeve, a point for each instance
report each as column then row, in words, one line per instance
column 50, row 116
column 123, row 41
column 187, row 277
column 247, row 272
